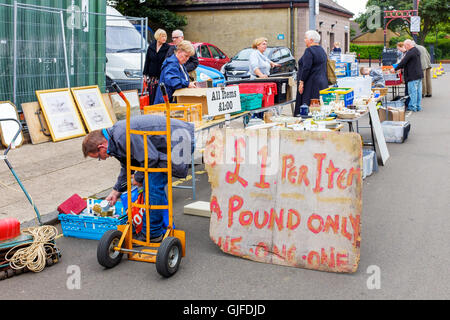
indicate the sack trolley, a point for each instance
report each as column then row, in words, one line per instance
column 168, row 253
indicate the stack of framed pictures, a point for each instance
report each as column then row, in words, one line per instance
column 62, row 109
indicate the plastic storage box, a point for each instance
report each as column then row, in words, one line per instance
column 91, row 227
column 396, row 131
column 267, row 89
column 251, row 101
column 370, row 163
column 330, row 94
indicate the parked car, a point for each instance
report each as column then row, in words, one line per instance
column 205, row 73
column 238, row 67
column 209, row 55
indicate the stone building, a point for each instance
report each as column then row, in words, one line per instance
column 233, row 24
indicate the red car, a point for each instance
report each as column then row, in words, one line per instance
column 209, row 55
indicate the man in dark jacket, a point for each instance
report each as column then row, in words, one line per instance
column 111, row 142
column 413, row 74
column 192, row 63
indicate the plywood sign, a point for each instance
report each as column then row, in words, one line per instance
column 287, row 197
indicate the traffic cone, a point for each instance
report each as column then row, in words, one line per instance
column 434, row 73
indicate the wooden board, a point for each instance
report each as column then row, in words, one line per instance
column 378, row 131
column 34, row 127
column 294, row 198
column 198, row 208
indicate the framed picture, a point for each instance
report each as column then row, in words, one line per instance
column 8, row 129
column 92, row 108
column 60, row 113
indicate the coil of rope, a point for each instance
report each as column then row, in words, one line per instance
column 34, row 256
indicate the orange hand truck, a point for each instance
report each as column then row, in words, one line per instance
column 114, row 243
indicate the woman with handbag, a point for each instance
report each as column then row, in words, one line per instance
column 312, row 71
column 156, row 53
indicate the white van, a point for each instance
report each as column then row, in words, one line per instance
column 125, row 52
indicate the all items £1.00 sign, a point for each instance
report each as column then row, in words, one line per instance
column 287, row 197
column 223, row 100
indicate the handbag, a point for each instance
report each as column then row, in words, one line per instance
column 331, row 66
column 144, row 99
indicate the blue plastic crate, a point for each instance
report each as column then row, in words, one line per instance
column 91, row 227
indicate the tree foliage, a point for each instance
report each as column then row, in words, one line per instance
column 433, row 14
column 156, row 11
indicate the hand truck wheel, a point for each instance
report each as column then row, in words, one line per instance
column 106, row 255
column 168, row 257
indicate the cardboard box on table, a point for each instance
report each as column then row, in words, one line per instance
column 192, row 95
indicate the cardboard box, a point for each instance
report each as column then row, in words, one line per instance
column 192, row 95
column 394, row 114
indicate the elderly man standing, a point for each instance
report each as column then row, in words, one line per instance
column 192, row 63
column 425, row 60
column 413, row 74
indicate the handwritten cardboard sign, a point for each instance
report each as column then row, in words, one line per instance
column 287, row 197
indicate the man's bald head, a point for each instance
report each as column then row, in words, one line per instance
column 409, row 44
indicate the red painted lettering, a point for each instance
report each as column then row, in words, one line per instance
column 333, row 224
column 344, row 229
column 356, row 228
column 232, row 177
column 256, row 219
column 235, row 249
column 324, row 258
column 262, row 183
column 264, row 248
column 310, row 223
column 278, row 220
column 290, row 225
column 245, row 218
column 311, row 256
column 302, row 175
column 286, row 165
column 341, row 259
column 320, row 157
column 234, row 204
column 214, row 207
column 354, row 173
column 331, row 170
column 341, row 177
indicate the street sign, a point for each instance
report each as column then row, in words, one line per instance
column 290, row 198
column 415, row 24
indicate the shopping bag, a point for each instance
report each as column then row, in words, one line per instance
column 144, row 99
column 331, row 75
column 138, row 213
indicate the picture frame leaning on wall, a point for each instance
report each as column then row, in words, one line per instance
column 92, row 108
column 60, row 113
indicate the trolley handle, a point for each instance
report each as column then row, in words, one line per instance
column 116, row 87
column 15, row 136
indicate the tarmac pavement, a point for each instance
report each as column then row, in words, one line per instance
column 405, row 226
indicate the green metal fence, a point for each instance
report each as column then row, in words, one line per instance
column 50, row 44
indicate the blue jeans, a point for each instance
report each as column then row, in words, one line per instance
column 415, row 95
column 159, row 219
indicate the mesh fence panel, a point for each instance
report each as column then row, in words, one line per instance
column 45, row 56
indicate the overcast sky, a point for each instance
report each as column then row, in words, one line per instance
column 355, row 6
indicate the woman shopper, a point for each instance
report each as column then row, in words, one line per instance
column 260, row 64
column 312, row 71
column 156, row 53
column 173, row 73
